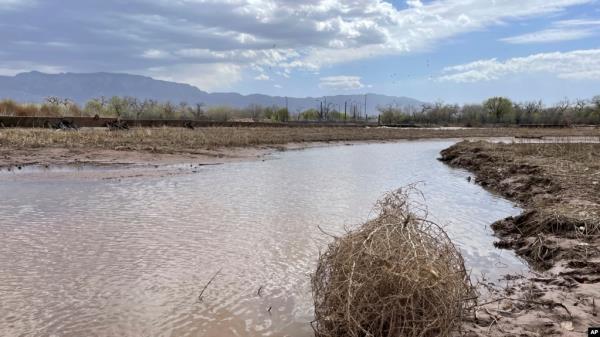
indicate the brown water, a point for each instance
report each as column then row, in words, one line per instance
column 130, row 257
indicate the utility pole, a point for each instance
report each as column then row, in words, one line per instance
column 345, row 107
column 321, row 111
column 286, row 105
column 366, row 113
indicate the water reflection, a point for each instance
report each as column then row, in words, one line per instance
column 129, row 258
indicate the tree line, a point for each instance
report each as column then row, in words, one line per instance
column 496, row 110
column 132, row 108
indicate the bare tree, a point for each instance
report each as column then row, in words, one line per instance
column 54, row 100
column 169, row 110
column 139, row 107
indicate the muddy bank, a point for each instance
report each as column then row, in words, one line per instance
column 160, row 146
column 97, row 163
column 558, row 185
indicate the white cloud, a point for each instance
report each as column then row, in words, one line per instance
column 577, row 65
column 279, row 35
column 310, row 34
column 209, row 77
column 341, row 83
column 14, row 68
column 578, row 22
column 155, row 54
column 564, row 30
column 414, row 3
column 549, row 35
column 371, row 28
column 262, row 77
column 59, row 44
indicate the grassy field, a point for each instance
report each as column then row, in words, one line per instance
column 166, row 140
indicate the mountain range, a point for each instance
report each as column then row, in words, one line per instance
column 34, row 87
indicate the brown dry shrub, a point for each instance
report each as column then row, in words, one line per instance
column 8, row 107
column 73, row 110
column 50, row 110
column 27, row 110
column 397, row 275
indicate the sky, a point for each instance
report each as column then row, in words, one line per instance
column 456, row 51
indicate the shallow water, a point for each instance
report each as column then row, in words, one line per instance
column 130, row 257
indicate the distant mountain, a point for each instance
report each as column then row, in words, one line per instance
column 34, row 87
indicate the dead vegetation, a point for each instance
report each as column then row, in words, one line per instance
column 558, row 185
column 397, row 275
column 181, row 139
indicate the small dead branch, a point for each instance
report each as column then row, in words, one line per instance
column 550, row 304
column 208, row 283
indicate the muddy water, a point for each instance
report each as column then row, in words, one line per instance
column 130, row 257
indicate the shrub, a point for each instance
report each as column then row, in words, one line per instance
column 218, row 114
column 8, row 107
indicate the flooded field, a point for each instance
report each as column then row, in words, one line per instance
column 94, row 257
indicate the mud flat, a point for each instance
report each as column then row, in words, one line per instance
column 558, row 186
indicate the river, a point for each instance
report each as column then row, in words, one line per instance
column 129, row 257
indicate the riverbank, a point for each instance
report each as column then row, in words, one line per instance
column 98, row 146
column 558, row 185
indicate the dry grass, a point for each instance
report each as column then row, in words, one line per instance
column 181, row 140
column 397, row 275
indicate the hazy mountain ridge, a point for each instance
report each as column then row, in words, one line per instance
column 35, row 86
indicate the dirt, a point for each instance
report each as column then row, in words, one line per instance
column 558, row 233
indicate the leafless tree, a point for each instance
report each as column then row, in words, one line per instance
column 54, row 100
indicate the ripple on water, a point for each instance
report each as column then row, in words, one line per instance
column 130, row 257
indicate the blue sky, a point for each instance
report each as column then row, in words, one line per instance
column 452, row 50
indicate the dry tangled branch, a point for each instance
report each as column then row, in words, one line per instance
column 397, row 275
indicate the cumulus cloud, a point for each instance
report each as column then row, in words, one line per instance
column 233, row 35
column 341, row 83
column 575, row 65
